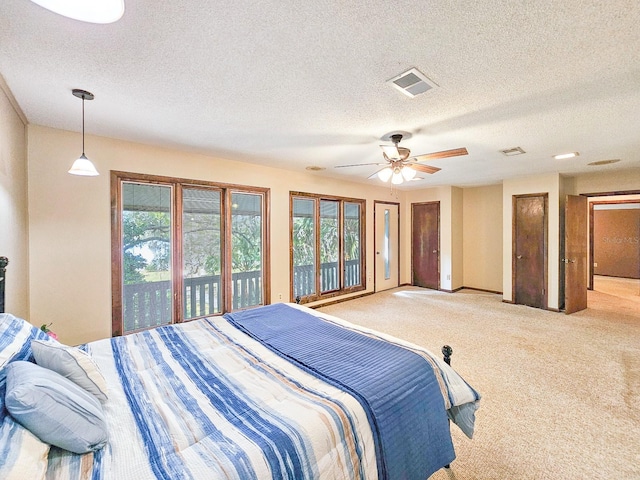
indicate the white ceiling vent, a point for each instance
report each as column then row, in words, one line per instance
column 510, row 152
column 412, row 83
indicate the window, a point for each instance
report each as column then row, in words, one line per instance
column 183, row 249
column 327, row 241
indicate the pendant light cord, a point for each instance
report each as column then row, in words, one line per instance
column 82, row 124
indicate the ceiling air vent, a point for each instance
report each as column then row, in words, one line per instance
column 412, row 83
column 510, row 152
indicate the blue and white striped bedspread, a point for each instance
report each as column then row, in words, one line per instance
column 397, row 388
column 203, row 400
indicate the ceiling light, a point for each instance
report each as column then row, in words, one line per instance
column 408, row 173
column 93, row 11
column 385, row 174
column 564, row 156
column 83, row 166
column 396, row 178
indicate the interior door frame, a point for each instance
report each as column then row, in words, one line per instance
column 436, row 202
column 591, row 218
column 376, row 203
column 514, row 198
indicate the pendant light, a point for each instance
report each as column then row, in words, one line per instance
column 83, row 166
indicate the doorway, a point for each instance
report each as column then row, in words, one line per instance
column 614, row 271
column 386, row 245
column 425, row 245
column 529, row 249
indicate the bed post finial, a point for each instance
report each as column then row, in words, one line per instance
column 447, row 351
column 4, row 261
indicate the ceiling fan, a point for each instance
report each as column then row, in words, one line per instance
column 400, row 166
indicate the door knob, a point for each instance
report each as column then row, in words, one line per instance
column 435, row 251
column 377, row 253
column 519, row 257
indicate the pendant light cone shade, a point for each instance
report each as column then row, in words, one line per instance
column 408, row 173
column 92, row 11
column 385, row 174
column 83, row 166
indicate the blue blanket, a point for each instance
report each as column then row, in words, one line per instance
column 396, row 387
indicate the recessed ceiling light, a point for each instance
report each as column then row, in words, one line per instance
column 95, row 11
column 604, row 162
column 315, row 168
column 510, row 152
column 563, row 156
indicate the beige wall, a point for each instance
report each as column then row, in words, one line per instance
column 14, row 232
column 70, row 262
column 482, row 242
column 609, row 181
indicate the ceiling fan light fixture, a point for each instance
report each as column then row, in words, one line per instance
column 95, row 11
column 385, row 174
column 396, row 178
column 408, row 173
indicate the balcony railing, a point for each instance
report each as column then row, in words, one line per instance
column 149, row 304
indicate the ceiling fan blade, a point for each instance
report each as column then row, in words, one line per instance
column 359, row 165
column 444, row 154
column 391, row 151
column 423, row 168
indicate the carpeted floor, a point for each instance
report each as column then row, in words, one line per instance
column 561, row 393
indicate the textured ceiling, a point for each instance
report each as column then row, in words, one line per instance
column 294, row 84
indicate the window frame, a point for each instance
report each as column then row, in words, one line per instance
column 118, row 178
column 341, row 290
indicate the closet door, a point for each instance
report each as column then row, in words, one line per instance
column 425, row 244
column 530, row 250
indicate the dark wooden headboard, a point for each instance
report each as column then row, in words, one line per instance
column 4, row 261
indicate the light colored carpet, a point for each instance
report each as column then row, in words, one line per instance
column 561, row 393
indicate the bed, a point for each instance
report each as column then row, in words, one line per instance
column 280, row 391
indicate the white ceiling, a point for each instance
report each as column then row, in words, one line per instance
column 294, row 84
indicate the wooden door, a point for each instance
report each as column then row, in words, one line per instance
column 575, row 257
column 425, row 244
column 387, row 245
column 530, row 250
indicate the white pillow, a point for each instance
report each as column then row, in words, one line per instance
column 23, row 454
column 72, row 363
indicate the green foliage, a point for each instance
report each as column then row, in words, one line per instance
column 145, row 230
column 246, row 240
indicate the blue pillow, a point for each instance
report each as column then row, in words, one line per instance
column 15, row 344
column 55, row 409
column 72, row 363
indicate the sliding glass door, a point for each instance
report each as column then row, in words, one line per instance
column 184, row 250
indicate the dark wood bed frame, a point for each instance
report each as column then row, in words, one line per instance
column 4, row 261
